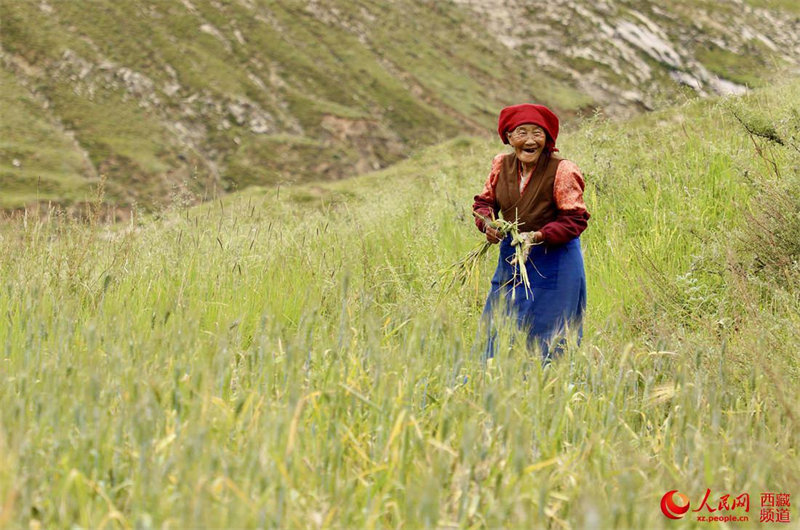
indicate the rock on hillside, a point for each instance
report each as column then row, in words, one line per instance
column 184, row 99
column 626, row 55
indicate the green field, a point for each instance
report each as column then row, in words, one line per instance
column 288, row 357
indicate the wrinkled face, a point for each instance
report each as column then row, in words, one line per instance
column 528, row 141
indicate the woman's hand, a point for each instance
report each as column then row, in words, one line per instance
column 493, row 235
column 527, row 240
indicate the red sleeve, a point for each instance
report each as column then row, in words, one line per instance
column 572, row 217
column 485, row 202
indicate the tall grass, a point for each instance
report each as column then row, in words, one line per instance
column 283, row 358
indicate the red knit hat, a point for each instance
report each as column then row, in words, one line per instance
column 516, row 115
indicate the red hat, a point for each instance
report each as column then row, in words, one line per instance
column 516, row 115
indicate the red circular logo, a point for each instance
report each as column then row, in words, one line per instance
column 674, row 505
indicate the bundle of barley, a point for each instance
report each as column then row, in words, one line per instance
column 465, row 268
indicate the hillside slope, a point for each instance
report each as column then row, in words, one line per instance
column 253, row 361
column 185, row 100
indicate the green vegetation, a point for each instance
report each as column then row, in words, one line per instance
column 191, row 95
column 279, row 358
column 744, row 68
column 784, row 5
column 162, row 95
column 47, row 166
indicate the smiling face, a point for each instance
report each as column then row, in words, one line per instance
column 528, row 141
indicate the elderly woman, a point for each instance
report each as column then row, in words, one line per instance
column 544, row 194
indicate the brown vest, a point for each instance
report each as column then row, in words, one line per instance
column 536, row 206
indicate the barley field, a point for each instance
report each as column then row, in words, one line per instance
column 295, row 357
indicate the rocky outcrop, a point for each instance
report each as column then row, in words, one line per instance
column 625, row 53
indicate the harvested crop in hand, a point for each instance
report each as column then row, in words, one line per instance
column 464, row 269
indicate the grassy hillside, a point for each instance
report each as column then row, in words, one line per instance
column 187, row 100
column 286, row 357
column 211, row 96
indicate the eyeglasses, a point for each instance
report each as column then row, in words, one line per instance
column 520, row 133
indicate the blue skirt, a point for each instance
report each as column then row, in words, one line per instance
column 555, row 302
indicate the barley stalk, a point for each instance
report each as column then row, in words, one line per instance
column 464, row 269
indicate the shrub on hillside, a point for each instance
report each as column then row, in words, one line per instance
column 769, row 244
